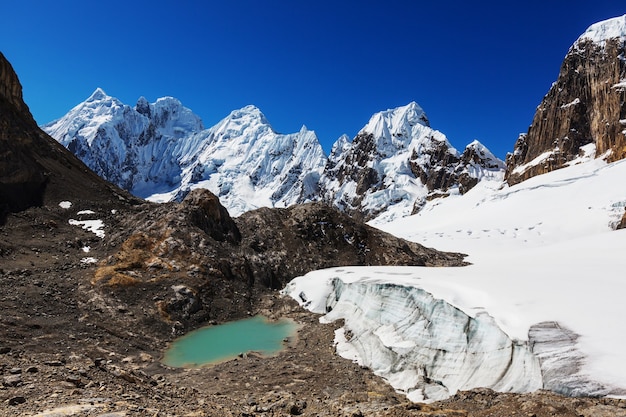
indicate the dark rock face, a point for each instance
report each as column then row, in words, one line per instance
column 195, row 263
column 34, row 168
column 585, row 105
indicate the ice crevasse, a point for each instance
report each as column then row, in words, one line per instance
column 425, row 347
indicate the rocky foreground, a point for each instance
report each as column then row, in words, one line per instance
column 73, row 345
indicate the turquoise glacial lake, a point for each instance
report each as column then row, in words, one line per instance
column 214, row 344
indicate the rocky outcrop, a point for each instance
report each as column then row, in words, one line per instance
column 10, row 87
column 584, row 113
column 192, row 262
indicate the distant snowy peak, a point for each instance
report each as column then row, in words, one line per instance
column 394, row 128
column 161, row 151
column 396, row 162
column 607, row 29
column 170, row 116
column 397, row 121
column 98, row 95
column 477, row 153
column 248, row 165
column 134, row 148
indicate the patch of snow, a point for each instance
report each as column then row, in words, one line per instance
column 65, row 204
column 86, row 249
column 89, row 260
column 620, row 85
column 94, row 226
column 602, row 31
column 587, row 153
column 573, row 103
column 86, row 212
column 538, row 160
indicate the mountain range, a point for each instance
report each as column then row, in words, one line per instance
column 160, row 151
column 397, row 162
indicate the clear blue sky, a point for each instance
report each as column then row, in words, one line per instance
column 479, row 69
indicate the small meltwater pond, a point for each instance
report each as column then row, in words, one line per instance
column 220, row 343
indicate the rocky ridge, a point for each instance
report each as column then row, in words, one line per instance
column 584, row 114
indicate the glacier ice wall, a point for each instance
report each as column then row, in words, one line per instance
column 424, row 346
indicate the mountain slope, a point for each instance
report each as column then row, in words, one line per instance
column 584, row 113
column 248, row 165
column 396, row 162
column 136, row 148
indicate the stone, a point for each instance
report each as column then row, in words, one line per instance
column 12, row 380
column 13, row 401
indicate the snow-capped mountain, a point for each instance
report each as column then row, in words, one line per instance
column 161, row 150
column 248, row 165
column 396, row 162
column 584, row 113
column 137, row 148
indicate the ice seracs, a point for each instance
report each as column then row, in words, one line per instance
column 424, row 347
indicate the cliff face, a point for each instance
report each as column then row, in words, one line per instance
column 583, row 114
column 34, row 168
column 10, row 87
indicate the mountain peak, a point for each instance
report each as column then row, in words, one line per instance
column 607, row 29
column 250, row 112
column 397, row 121
column 98, row 95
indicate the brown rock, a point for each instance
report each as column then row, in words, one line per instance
column 583, row 106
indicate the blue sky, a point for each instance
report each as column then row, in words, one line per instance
column 479, row 69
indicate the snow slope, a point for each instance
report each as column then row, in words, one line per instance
column 547, row 268
column 606, row 29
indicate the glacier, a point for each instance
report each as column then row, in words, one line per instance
column 426, row 348
column 545, row 284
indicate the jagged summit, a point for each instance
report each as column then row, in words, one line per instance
column 602, row 31
column 396, row 122
column 394, row 164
